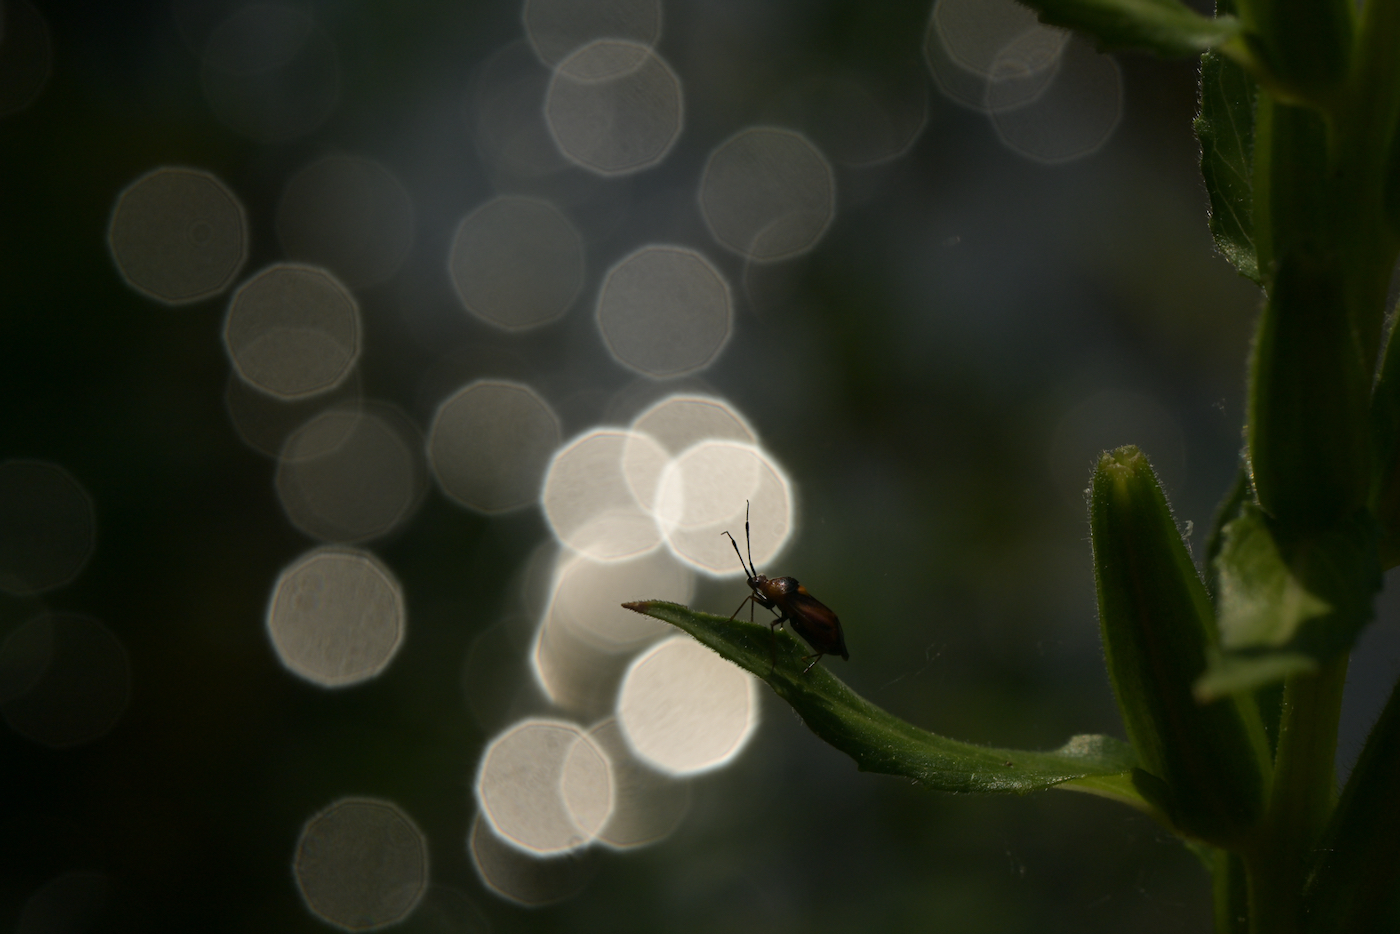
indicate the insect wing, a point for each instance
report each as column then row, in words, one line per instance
column 815, row 622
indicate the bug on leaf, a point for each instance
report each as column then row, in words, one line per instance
column 792, row 604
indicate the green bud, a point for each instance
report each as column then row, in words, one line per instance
column 1205, row 765
column 1309, row 400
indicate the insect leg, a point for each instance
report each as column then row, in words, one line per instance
column 815, row 658
column 773, row 642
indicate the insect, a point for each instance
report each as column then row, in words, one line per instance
column 792, row 604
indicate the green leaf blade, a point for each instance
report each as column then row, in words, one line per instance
column 881, row 742
column 1262, row 603
column 1289, row 601
column 1167, row 28
column 1225, row 127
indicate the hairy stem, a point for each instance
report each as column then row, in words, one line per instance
column 1303, row 795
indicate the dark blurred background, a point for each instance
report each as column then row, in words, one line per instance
column 935, row 376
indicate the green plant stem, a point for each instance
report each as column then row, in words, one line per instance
column 1231, row 891
column 1366, row 123
column 1302, row 797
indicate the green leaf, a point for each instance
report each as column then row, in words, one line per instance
column 1203, row 766
column 1262, row 602
column 881, row 742
column 1225, row 127
column 1235, row 672
column 1239, row 494
column 1166, row 27
column 1289, row 600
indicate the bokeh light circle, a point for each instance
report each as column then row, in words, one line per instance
column 679, row 421
column 1024, row 69
column 572, row 671
column 516, row 263
column 270, row 73
column 361, row 864
column 178, row 235
column 351, row 474
column 489, row 445
column 556, row 28
column 65, row 679
column 768, row 194
column 264, row 422
column 971, row 43
column 859, row 118
column 684, row 710
column 523, row 877
column 648, row 805
column 974, row 31
column 509, row 127
column 48, row 527
column 336, row 617
column 292, row 331
column 1074, row 117
column 545, row 786
column 614, row 107
column 348, row 214
column 708, row 489
column 665, row 311
column 588, row 500
column 588, row 595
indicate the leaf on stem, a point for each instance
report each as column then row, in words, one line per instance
column 881, row 742
column 1166, row 27
column 1236, row 672
column 1288, row 600
column 1262, row 602
column 1225, row 128
column 1240, row 493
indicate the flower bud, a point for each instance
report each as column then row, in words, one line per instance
column 1205, row 765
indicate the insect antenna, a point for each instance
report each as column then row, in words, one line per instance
column 747, row 571
column 748, row 539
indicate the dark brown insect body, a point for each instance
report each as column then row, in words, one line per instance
column 791, row 603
